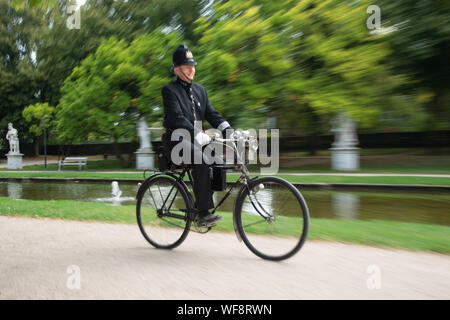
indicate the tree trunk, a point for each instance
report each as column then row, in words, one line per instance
column 131, row 160
column 313, row 131
column 312, row 144
column 118, row 154
column 36, row 146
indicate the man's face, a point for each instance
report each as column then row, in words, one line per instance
column 186, row 72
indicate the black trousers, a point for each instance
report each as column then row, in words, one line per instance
column 202, row 184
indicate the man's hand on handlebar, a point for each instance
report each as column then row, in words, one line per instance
column 202, row 138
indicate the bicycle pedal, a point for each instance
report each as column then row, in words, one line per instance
column 206, row 225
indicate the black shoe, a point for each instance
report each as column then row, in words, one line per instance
column 207, row 220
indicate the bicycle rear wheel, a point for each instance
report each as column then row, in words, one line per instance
column 272, row 219
column 162, row 212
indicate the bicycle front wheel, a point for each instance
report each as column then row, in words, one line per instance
column 272, row 218
column 162, row 212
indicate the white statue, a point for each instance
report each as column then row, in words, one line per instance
column 116, row 192
column 345, row 133
column 13, row 139
column 144, row 135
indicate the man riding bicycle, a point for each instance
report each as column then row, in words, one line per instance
column 186, row 102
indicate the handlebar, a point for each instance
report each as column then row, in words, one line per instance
column 236, row 136
column 240, row 137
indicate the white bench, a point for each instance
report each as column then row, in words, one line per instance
column 73, row 161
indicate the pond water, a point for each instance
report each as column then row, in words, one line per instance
column 433, row 208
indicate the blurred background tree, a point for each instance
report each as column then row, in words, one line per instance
column 301, row 62
column 420, row 42
column 241, row 61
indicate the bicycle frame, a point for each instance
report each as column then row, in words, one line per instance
column 244, row 180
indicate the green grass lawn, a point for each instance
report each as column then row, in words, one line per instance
column 363, row 152
column 406, row 167
column 233, row 177
column 377, row 160
column 413, row 236
column 371, row 180
column 93, row 165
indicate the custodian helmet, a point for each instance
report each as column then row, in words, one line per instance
column 183, row 55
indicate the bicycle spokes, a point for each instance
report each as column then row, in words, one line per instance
column 272, row 218
column 161, row 211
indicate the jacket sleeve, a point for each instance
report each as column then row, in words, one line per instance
column 214, row 118
column 173, row 116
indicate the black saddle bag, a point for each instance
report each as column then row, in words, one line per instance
column 218, row 179
column 163, row 159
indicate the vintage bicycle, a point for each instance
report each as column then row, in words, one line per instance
column 269, row 215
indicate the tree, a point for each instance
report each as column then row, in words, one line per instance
column 420, row 41
column 33, row 3
column 131, row 18
column 339, row 66
column 39, row 51
column 238, row 57
column 303, row 62
column 114, row 87
column 40, row 115
column 17, row 69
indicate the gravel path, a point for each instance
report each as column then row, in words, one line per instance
column 114, row 261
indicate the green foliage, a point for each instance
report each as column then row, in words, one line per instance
column 33, row 3
column 41, row 116
column 239, row 57
column 299, row 61
column 120, row 82
column 38, row 52
column 313, row 59
column 420, row 48
column 17, row 82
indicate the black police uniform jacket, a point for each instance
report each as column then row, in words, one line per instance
column 178, row 112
